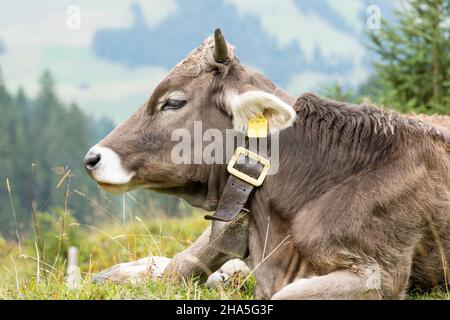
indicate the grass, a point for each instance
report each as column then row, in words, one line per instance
column 437, row 294
column 154, row 290
column 24, row 276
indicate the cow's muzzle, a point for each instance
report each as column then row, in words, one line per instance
column 105, row 166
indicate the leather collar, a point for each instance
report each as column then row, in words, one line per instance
column 237, row 191
column 230, row 222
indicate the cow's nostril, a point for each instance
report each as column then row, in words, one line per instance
column 91, row 160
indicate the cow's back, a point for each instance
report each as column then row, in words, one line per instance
column 434, row 119
column 439, row 121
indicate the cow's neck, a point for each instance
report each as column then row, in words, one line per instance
column 329, row 144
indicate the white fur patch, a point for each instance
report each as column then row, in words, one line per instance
column 110, row 169
column 249, row 104
column 221, row 276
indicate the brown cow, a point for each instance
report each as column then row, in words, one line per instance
column 359, row 207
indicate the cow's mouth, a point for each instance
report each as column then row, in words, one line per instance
column 114, row 188
column 122, row 188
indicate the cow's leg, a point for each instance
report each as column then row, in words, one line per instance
column 197, row 260
column 341, row 284
column 149, row 267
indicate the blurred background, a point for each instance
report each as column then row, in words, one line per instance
column 71, row 70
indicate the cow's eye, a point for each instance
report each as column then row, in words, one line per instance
column 172, row 104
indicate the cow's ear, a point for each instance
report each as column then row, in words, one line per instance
column 248, row 105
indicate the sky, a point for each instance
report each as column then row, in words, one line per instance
column 124, row 48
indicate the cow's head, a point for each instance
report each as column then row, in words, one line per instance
column 210, row 86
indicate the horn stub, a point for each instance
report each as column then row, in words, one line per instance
column 220, row 51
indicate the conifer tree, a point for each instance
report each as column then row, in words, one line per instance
column 13, row 157
column 413, row 69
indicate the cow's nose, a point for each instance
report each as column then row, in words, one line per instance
column 91, row 160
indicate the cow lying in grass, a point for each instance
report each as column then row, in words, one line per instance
column 359, row 207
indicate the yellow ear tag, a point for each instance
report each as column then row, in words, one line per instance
column 258, row 127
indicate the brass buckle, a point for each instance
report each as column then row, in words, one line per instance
column 241, row 175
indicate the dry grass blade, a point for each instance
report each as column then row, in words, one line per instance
column 8, row 187
column 81, row 194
